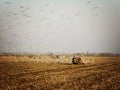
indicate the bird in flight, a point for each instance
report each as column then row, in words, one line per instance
column 8, row 2
column 89, row 2
column 94, row 8
column 21, row 7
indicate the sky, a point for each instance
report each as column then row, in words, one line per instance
column 42, row 26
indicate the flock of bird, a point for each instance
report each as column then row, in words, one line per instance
column 23, row 14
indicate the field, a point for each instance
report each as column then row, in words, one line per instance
column 51, row 73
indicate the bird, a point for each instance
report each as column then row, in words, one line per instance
column 10, row 12
column 26, row 15
column 62, row 15
column 69, row 18
column 52, row 11
column 15, row 14
column 27, row 8
column 28, row 22
column 22, row 11
column 8, row 22
column 16, row 18
column 94, row 8
column 89, row 2
column 8, row 2
column 21, row 7
column 47, row 4
column 41, row 10
column 77, row 14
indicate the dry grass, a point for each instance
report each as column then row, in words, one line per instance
column 46, row 73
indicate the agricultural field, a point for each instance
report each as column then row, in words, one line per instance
column 58, row 73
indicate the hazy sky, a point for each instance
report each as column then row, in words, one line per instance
column 60, row 26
